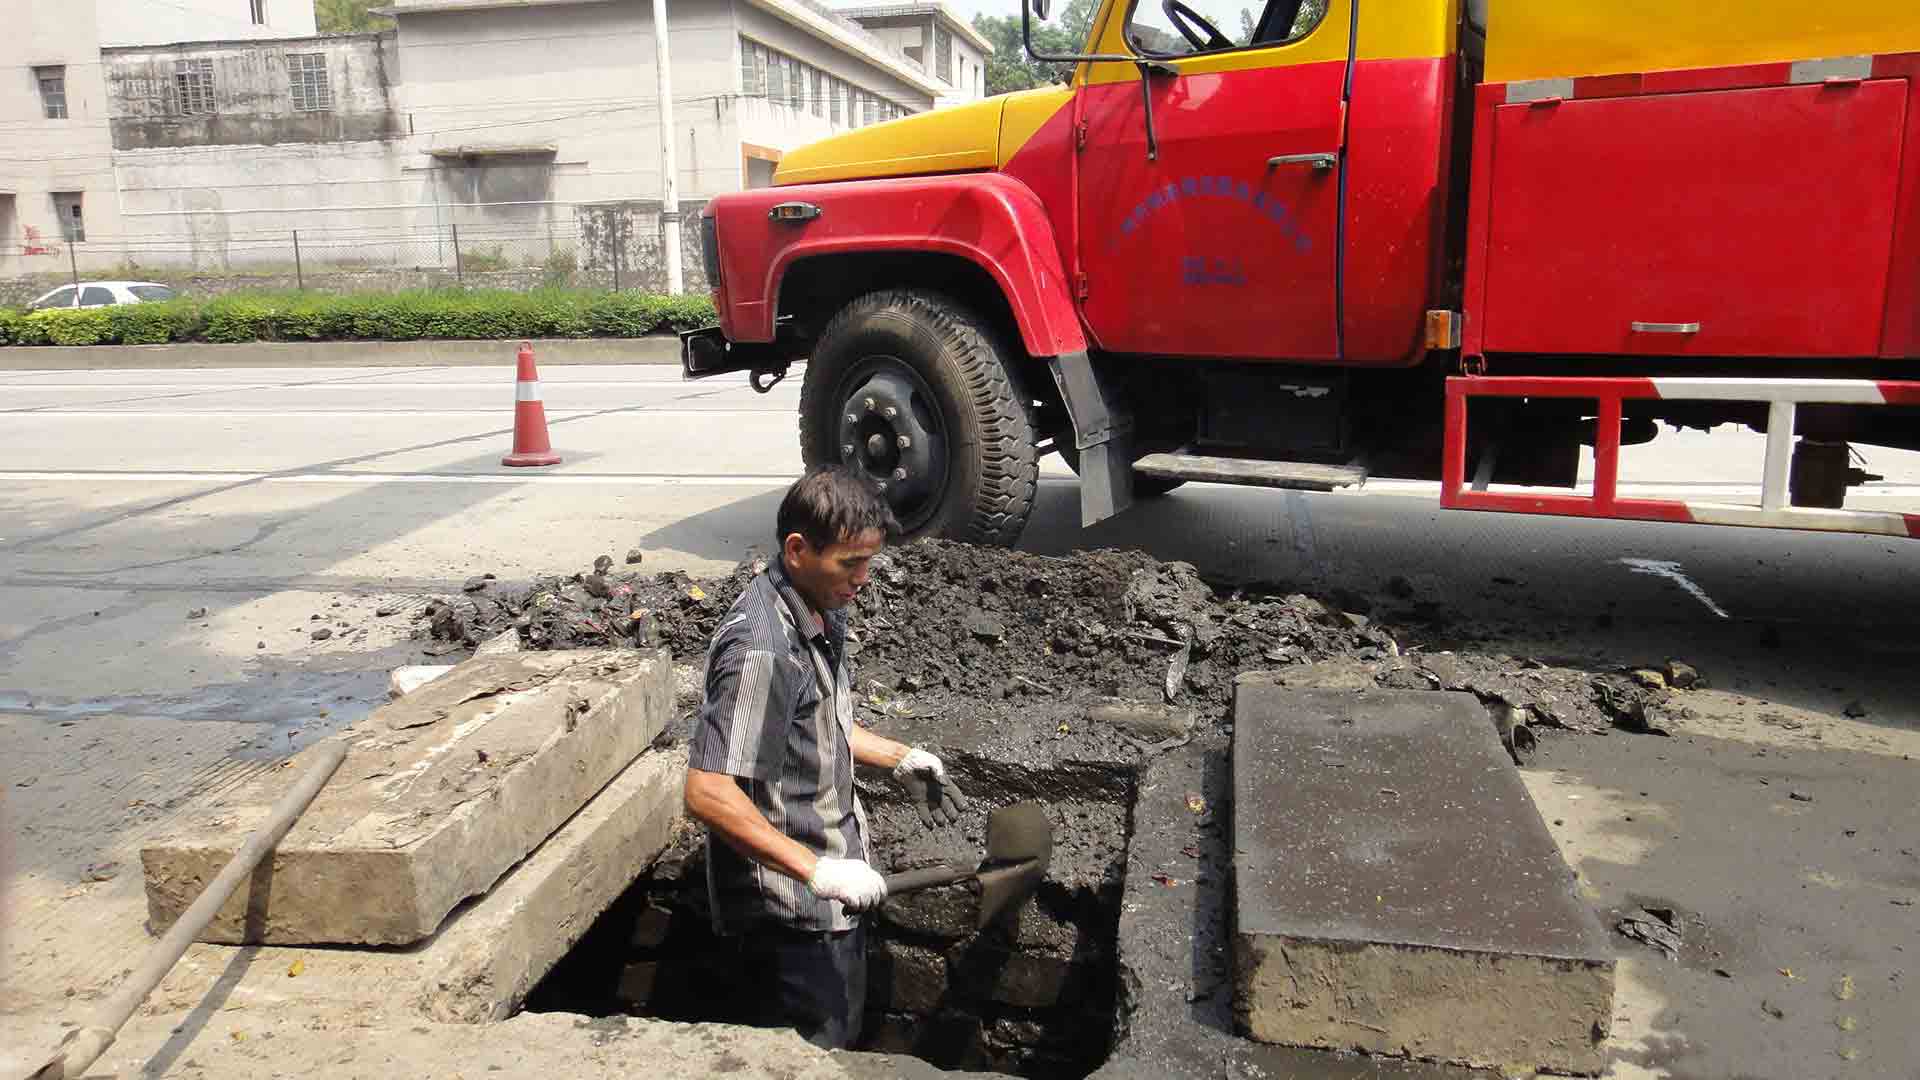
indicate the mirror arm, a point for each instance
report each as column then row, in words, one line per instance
column 1026, row 38
column 1148, row 69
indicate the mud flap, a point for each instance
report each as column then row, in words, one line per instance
column 1102, row 432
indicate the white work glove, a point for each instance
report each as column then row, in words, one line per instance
column 936, row 796
column 849, row 881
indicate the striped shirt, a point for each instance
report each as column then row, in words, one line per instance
column 778, row 717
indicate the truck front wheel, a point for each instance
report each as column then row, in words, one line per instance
column 913, row 390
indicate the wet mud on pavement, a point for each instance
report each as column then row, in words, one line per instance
column 1791, row 876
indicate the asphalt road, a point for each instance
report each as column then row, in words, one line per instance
column 285, row 499
column 224, row 478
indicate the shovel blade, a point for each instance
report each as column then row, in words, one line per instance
column 1005, row 888
column 1019, row 833
column 1019, row 848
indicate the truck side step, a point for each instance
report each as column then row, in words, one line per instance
column 1249, row 472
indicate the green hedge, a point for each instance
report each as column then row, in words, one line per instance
column 409, row 316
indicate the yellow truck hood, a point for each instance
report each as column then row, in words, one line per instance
column 959, row 139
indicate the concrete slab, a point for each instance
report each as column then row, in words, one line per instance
column 1396, row 891
column 479, row 968
column 1176, row 1018
column 441, row 793
column 486, row 960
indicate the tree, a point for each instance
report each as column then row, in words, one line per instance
column 1310, row 13
column 1010, row 68
column 348, row 16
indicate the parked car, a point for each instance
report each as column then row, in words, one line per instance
column 103, row 294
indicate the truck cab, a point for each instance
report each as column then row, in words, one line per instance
column 1273, row 245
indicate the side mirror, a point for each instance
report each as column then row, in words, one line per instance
column 1041, row 8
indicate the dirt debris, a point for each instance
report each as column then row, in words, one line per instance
column 945, row 626
column 1658, row 927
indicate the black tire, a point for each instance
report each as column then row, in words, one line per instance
column 1144, row 487
column 971, row 466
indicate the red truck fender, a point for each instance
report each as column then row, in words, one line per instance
column 989, row 219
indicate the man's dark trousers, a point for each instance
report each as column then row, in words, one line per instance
column 815, row 981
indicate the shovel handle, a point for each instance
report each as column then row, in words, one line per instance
column 926, row 878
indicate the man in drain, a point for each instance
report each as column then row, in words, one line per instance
column 770, row 771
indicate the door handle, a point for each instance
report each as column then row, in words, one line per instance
column 1665, row 327
column 1318, row 162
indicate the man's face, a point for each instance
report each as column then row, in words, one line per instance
column 830, row 578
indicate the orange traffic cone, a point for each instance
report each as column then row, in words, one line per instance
column 530, row 445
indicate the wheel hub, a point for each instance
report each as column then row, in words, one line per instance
column 883, row 436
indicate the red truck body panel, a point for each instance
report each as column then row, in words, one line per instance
column 1399, row 142
column 989, row 219
column 1777, row 215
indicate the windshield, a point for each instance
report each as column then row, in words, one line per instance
column 151, row 292
column 1153, row 32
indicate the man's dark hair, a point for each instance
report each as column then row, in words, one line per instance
column 832, row 506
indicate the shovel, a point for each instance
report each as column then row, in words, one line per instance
column 1019, row 846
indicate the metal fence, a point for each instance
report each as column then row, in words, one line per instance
column 613, row 247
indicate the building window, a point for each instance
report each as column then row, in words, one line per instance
column 943, row 55
column 796, row 87
column 870, row 110
column 817, row 88
column 193, row 87
column 776, row 87
column 308, row 74
column 258, row 9
column 752, row 70
column 53, row 91
column 66, row 206
column 836, row 91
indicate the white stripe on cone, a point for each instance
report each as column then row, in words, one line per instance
column 526, row 391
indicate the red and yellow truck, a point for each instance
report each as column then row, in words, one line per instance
column 1299, row 244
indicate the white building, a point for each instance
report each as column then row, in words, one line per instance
column 145, row 22
column 933, row 36
column 57, row 162
column 533, row 126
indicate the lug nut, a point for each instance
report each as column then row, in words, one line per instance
column 881, row 484
column 899, row 474
column 846, row 449
column 872, row 404
column 889, row 412
column 852, row 419
column 903, row 442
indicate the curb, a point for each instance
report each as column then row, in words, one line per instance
column 654, row 349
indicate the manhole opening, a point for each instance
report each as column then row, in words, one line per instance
column 1033, row 994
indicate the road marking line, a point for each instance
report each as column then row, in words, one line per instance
column 1672, row 572
column 1387, row 489
column 262, row 384
column 632, row 479
column 308, row 414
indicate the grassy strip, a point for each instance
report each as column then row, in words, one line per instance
column 427, row 314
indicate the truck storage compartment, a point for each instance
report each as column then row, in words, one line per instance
column 1729, row 223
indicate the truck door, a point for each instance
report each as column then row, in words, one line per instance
column 1219, row 236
